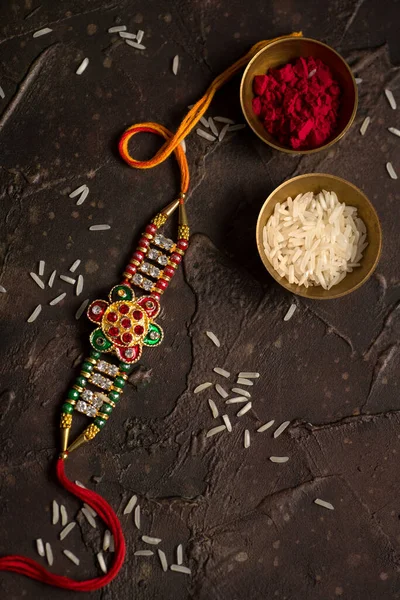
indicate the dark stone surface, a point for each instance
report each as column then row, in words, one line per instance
column 249, row 527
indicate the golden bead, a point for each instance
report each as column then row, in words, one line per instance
column 91, row 431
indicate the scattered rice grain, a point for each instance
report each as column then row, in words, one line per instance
column 106, row 540
column 248, row 375
column 237, row 127
column 179, row 555
column 241, row 392
column 391, row 171
column 391, row 99
column 281, row 429
column 127, row 36
column 221, row 372
column 99, row 227
column 41, row 267
column 89, row 517
column 204, row 121
column 151, row 540
column 40, row 547
column 37, row 280
column 364, row 125
column 265, row 426
column 183, row 144
column 82, row 66
column 2, row 289
column 201, row 387
column 227, row 422
column 222, row 133
column 358, row 80
column 131, row 505
column 244, row 410
column 213, row 338
column 75, row 265
column 90, row 509
column 67, row 530
column 49, row 554
column 246, row 438
column 278, row 459
column 221, row 391
column 236, row 400
column 68, row 279
column 143, row 553
column 215, row 430
column 41, row 32
column 117, row 29
column 78, row 191
column 135, row 45
column 83, row 196
column 56, row 512
column 323, row 503
column 64, row 515
column 213, row 407
column 2, row 94
column 181, row 569
column 71, row 557
column 394, row 131
column 213, row 127
column 79, row 286
column 290, row 312
column 139, row 36
column 80, row 484
column 57, row 299
column 311, row 73
column 163, row 560
column 175, row 65
column 244, row 381
column 51, row 279
column 224, row 120
column 205, row 135
column 137, row 516
column 35, row 314
column 82, row 309
column 102, row 562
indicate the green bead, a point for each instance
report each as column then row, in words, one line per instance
column 67, row 408
column 99, row 422
column 114, row 396
column 81, row 381
column 73, row 394
column 106, row 409
column 124, row 367
column 119, row 382
column 87, row 366
column 95, row 354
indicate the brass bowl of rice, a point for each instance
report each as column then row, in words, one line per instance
column 346, row 193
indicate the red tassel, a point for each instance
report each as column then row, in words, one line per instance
column 30, row 568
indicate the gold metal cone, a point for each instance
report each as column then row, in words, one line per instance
column 168, row 210
column 183, row 220
column 64, row 438
column 81, row 439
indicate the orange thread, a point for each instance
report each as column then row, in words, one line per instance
column 173, row 140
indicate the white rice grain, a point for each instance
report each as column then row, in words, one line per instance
column 205, row 135
column 99, row 227
column 213, row 127
column 163, row 560
column 358, row 80
column 71, row 557
column 213, row 338
column 391, row 171
column 241, row 392
column 181, row 569
column 106, row 540
column 139, row 36
column 248, row 375
column 90, row 509
column 278, row 459
column 67, row 530
column 244, row 410
column 265, row 426
column 224, row 120
column 131, row 505
column 236, row 400
column 213, row 407
column 143, row 553
column 215, row 430
column 35, row 314
column 49, row 554
column 101, row 562
column 2, row 289
column 151, row 540
column 41, row 267
column 117, row 28
column 79, row 286
column 41, row 32
column 311, row 73
column 227, row 422
column 204, row 121
column 82, row 309
column 221, row 372
column 246, row 441
column 222, row 133
column 394, row 131
column 237, row 127
column 64, row 515
column 221, row 391
column 127, row 36
column 75, row 265
column 82, row 66
column 2, row 94
column 56, row 513
column 391, row 99
column 57, row 299
column 40, row 547
column 364, row 125
column 51, row 279
column 67, row 279
column 290, row 312
column 323, row 503
column 83, row 196
column 202, row 387
column 281, row 429
column 137, row 516
column 89, row 517
column 135, row 45
column 37, row 280
column 179, row 555
column 78, row 191
column 183, row 145
column 175, row 64
column 244, row 381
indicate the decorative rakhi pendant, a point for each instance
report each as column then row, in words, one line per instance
column 126, row 324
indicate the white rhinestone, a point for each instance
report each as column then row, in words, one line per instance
column 96, row 310
column 87, row 395
column 147, row 285
column 86, row 409
column 137, row 279
column 158, row 238
column 145, row 268
column 129, row 353
column 162, row 260
column 153, row 254
column 154, row 335
column 154, row 271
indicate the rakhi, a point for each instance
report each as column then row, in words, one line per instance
column 126, row 324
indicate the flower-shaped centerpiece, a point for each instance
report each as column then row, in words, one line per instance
column 125, row 324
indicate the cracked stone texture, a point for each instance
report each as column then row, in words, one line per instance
column 249, row 527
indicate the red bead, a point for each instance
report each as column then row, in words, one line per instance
column 112, row 317
column 113, row 331
column 170, row 271
column 156, row 295
column 151, row 228
column 139, row 330
column 162, row 284
column 124, row 309
column 176, row 258
column 127, row 338
column 137, row 315
column 131, row 269
column 126, row 323
column 138, row 255
column 144, row 242
column 125, row 282
column 183, row 244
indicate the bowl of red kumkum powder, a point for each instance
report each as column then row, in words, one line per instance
column 299, row 95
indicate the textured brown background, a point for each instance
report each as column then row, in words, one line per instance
column 250, row 528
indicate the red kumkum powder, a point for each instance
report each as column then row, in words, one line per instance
column 298, row 103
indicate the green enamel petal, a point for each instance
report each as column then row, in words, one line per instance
column 154, row 335
column 121, row 292
column 99, row 341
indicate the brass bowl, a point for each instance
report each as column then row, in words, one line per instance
column 352, row 196
column 278, row 54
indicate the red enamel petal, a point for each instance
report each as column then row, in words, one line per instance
column 96, row 310
column 124, row 353
column 150, row 305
